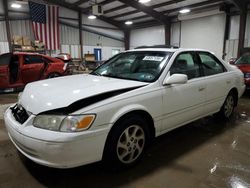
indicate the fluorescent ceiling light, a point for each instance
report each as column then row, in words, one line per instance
column 128, row 22
column 92, row 17
column 15, row 5
column 185, row 10
column 144, row 1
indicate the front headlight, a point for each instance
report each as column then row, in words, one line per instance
column 73, row 123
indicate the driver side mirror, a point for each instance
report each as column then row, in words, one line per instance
column 176, row 79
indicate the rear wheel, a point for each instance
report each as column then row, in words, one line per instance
column 126, row 143
column 227, row 109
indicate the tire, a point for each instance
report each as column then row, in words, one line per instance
column 228, row 106
column 126, row 143
column 53, row 75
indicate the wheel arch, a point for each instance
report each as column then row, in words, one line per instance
column 235, row 93
column 139, row 112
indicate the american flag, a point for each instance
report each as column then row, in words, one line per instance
column 45, row 24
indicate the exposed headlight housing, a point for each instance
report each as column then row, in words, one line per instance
column 247, row 75
column 71, row 123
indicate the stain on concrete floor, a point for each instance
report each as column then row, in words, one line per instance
column 206, row 153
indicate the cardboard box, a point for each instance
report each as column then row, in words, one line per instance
column 28, row 48
column 26, row 41
column 89, row 57
column 17, row 40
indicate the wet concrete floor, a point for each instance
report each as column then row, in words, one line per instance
column 206, row 153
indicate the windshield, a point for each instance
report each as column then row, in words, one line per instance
column 141, row 66
column 245, row 59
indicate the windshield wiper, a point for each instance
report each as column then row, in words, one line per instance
column 95, row 73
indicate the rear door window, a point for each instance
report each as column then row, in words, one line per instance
column 210, row 64
column 5, row 59
column 185, row 64
column 33, row 59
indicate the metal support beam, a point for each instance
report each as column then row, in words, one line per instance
column 226, row 35
column 226, row 8
column 127, row 39
column 167, row 28
column 6, row 16
column 76, row 8
column 243, row 19
column 80, row 34
column 80, row 2
column 240, row 4
column 148, row 10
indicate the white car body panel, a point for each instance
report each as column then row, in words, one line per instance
column 169, row 106
column 38, row 96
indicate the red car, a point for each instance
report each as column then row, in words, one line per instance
column 18, row 69
column 243, row 63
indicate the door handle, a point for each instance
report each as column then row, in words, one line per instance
column 201, row 88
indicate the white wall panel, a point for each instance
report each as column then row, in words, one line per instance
column 175, row 34
column 21, row 27
column 247, row 35
column 3, row 33
column 4, row 47
column 234, row 27
column 148, row 36
column 69, row 35
column 206, row 33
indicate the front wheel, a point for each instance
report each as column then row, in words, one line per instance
column 126, row 143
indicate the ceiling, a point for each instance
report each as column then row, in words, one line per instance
column 116, row 12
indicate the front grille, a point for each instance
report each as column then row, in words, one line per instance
column 19, row 113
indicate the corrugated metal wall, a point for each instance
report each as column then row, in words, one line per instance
column 4, row 46
column 69, row 35
column 3, row 35
column 21, row 27
column 91, row 39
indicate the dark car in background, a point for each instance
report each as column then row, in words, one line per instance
column 19, row 69
column 243, row 63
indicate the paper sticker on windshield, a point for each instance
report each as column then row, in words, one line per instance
column 153, row 58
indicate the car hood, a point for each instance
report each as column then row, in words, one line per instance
column 50, row 94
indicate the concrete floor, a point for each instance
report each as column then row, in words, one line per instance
column 206, row 153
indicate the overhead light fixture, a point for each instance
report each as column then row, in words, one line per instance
column 15, row 5
column 92, row 17
column 184, row 11
column 128, row 22
column 144, row 1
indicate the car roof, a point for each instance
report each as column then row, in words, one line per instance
column 27, row 53
column 169, row 49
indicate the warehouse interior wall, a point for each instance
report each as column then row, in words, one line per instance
column 149, row 36
column 69, row 36
column 204, row 33
column 247, row 34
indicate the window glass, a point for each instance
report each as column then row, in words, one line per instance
column 31, row 59
column 210, row 64
column 245, row 59
column 185, row 64
column 142, row 66
column 5, row 59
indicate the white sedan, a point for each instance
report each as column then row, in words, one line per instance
column 114, row 112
